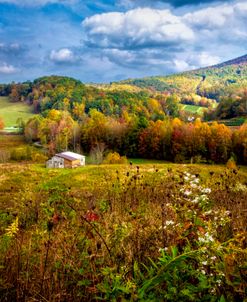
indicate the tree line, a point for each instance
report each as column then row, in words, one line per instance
column 135, row 123
column 133, row 136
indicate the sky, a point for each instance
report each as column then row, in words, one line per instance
column 104, row 41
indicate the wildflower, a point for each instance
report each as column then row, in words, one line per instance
column 204, row 262
column 201, row 239
column 193, row 185
column 92, row 216
column 163, row 249
column 195, row 200
column 13, row 229
column 169, row 222
column 207, row 239
column 203, row 271
column 206, row 190
column 187, row 193
column 213, row 258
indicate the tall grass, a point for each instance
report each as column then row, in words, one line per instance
column 123, row 233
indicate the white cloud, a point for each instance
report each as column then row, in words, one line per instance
column 180, row 65
column 63, row 55
column 204, row 59
column 141, row 27
column 165, row 40
column 7, row 69
column 209, row 18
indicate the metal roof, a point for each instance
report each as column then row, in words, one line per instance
column 70, row 155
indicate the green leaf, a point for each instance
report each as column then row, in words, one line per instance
column 222, row 299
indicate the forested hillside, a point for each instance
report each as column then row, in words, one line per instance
column 150, row 121
column 211, row 82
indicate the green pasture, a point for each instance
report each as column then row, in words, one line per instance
column 193, row 109
column 10, row 112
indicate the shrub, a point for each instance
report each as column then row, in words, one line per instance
column 19, row 154
column 231, row 164
column 39, row 158
column 115, row 158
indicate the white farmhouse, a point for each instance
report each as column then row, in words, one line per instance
column 66, row 160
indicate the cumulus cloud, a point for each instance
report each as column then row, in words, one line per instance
column 7, row 69
column 160, row 38
column 147, row 58
column 138, row 28
column 156, row 60
column 211, row 17
column 63, row 55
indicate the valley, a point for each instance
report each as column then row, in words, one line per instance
column 158, row 211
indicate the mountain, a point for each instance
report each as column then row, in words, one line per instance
column 211, row 82
column 237, row 61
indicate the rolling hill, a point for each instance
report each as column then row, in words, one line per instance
column 210, row 82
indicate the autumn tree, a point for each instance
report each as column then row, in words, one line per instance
column 240, row 143
column 56, row 130
column 32, row 128
column 219, row 143
column 94, row 129
column 1, row 123
column 151, row 140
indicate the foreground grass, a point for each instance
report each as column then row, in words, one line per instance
column 146, row 232
column 10, row 112
column 9, row 142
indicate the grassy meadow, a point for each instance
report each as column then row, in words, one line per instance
column 10, row 112
column 133, row 232
column 192, row 109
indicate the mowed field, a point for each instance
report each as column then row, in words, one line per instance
column 10, row 112
column 193, row 109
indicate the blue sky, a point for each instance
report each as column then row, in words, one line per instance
column 103, row 41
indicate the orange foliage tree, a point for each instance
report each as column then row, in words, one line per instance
column 1, row 123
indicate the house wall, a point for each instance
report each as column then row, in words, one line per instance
column 72, row 164
column 83, row 161
column 55, row 162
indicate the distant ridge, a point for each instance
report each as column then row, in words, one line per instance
column 211, row 82
column 236, row 61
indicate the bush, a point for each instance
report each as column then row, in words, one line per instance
column 39, row 158
column 231, row 164
column 115, row 158
column 19, row 154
